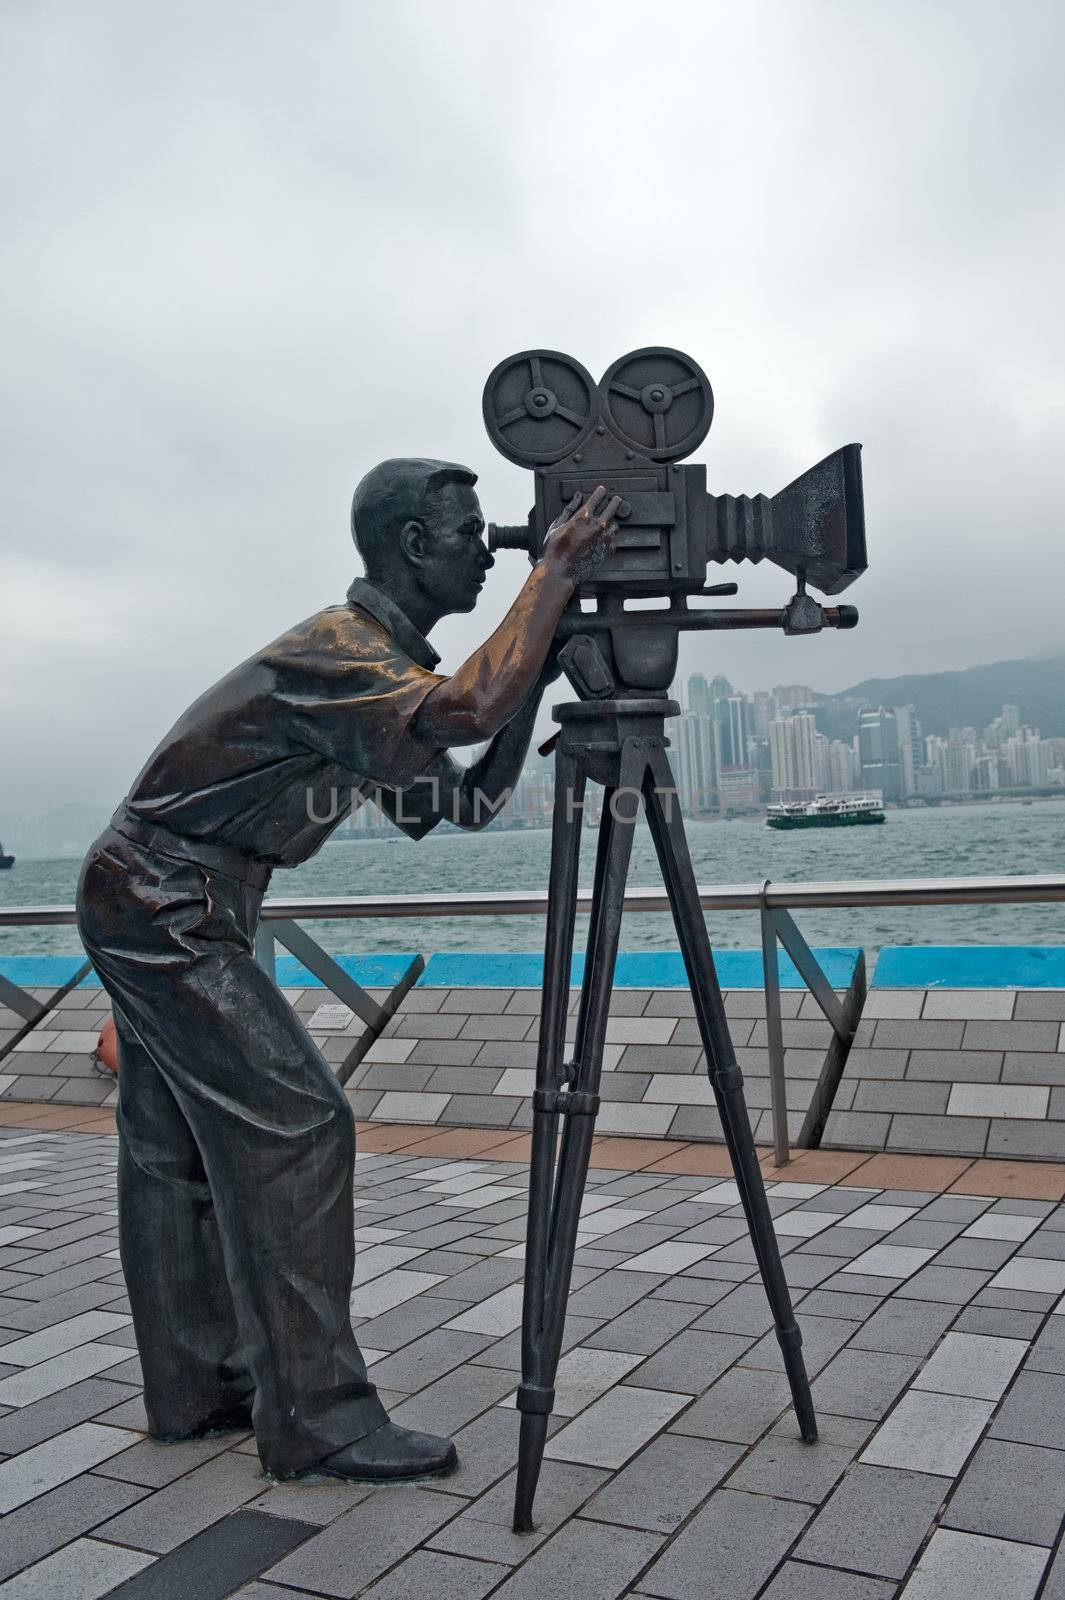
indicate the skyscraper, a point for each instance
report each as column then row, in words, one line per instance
column 878, row 746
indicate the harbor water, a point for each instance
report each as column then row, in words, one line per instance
column 938, row 842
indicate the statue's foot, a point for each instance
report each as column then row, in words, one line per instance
column 235, row 1420
column 389, row 1453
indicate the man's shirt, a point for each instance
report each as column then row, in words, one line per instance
column 304, row 730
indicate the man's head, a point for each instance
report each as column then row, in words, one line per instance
column 418, row 527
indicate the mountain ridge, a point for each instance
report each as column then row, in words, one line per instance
column 972, row 696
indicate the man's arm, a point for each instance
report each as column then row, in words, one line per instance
column 468, row 796
column 487, row 690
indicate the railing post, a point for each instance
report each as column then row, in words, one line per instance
column 265, row 950
column 778, row 1087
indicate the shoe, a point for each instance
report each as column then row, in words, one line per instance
column 390, row 1453
column 236, row 1420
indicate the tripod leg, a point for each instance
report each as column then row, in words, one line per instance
column 551, row 1243
column 671, row 845
column 534, row 1396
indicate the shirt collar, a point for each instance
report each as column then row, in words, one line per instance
column 379, row 605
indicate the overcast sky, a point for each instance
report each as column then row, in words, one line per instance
column 252, row 249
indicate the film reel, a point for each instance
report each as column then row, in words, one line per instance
column 539, row 406
column 658, row 401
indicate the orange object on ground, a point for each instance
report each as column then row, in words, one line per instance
column 107, row 1046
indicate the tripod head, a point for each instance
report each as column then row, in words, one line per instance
column 652, row 407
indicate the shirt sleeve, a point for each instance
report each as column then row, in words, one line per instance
column 351, row 696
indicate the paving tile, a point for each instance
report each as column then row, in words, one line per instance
column 738, row 1408
column 56, row 1460
column 186, row 1507
column 454, row 1400
column 586, row 1561
column 690, row 1362
column 215, row 1562
column 905, row 1327
column 1011, row 1035
column 40, row 1526
column 1011, row 1491
column 997, row 1100
column 798, row 1581
column 1023, row 1272
column 485, row 1530
column 972, row 1364
column 1031, row 1179
column 345, row 1558
column 583, row 1375
column 950, row 1285
column 791, row 1469
column 875, row 1521
column 661, row 1486
column 667, row 1258
column 956, row 1566
column 615, row 1427
column 889, row 1261
column 83, row 1570
column 862, row 1383
column 390, row 1290
column 1034, row 1411
column 435, row 1573
column 728, row 1549
column 929, row 1432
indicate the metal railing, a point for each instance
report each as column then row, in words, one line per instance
column 773, row 902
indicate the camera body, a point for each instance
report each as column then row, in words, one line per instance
column 630, row 432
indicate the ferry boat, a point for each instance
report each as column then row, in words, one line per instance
column 5, row 861
column 826, row 811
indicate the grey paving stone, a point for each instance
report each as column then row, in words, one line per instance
column 862, row 1383
column 728, row 1550
column 50, row 1521
column 22, row 1429
column 444, row 1577
column 660, row 1488
column 1042, row 1141
column 81, row 1571
column 978, row 1318
column 952, row 1066
column 1034, row 1411
column 644, row 1328
column 875, row 1522
column 790, row 1469
column 690, row 1362
column 738, row 1408
column 1011, row 1491
column 899, row 1034
column 352, row 1552
column 948, row 1135
column 485, row 1532
column 950, row 1285
column 905, row 1327
column 453, row 1401
column 1034, row 1066
column 586, row 1561
column 929, row 1432
column 856, row 1130
column 958, row 1565
column 174, row 1514
column 611, row 1430
column 798, row 1581
column 921, row 1098
column 1011, row 1035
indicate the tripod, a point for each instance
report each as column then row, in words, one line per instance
column 620, row 743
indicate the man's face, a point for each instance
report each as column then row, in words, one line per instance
column 457, row 556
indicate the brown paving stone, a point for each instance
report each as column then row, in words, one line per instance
column 1020, row 1180
column 931, row 1174
column 384, row 1137
column 458, row 1144
column 696, row 1161
column 517, row 1147
column 630, row 1155
column 816, row 1166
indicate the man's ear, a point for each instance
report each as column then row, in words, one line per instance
column 414, row 543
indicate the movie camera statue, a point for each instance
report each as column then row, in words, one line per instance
column 629, row 433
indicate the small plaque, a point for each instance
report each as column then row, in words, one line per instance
column 330, row 1017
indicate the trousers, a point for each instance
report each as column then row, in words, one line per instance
column 236, row 1163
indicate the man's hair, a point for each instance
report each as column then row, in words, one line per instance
column 392, row 494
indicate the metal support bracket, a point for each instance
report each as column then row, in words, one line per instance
column 376, row 1016
column 31, row 1010
column 778, row 928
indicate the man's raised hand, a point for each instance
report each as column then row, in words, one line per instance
column 583, row 536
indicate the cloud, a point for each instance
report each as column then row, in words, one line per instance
column 253, row 250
